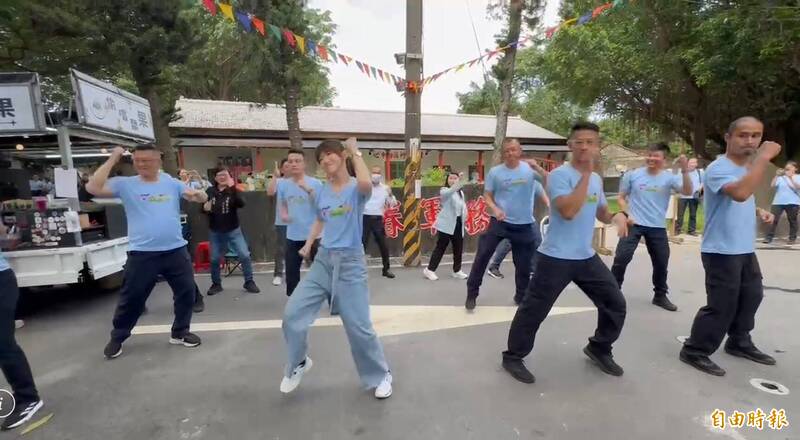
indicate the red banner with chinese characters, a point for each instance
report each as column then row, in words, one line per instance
column 477, row 217
column 393, row 221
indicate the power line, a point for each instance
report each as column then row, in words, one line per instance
column 480, row 51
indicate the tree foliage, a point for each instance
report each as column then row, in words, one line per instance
column 688, row 67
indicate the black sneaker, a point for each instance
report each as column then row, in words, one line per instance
column 190, row 340
column 388, row 273
column 199, row 304
column 113, row 349
column 517, row 370
column 664, row 302
column 702, row 363
column 495, row 273
column 251, row 287
column 470, row 304
column 604, row 361
column 214, row 289
column 23, row 412
column 751, row 353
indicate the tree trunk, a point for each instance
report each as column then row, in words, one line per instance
column 506, row 77
column 161, row 129
column 292, row 117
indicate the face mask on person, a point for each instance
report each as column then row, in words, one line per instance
column 376, row 179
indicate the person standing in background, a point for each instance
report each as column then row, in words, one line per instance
column 280, row 226
column 691, row 201
column 223, row 223
column 787, row 198
column 295, row 201
column 449, row 227
column 381, row 199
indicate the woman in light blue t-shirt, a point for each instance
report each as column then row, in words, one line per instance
column 338, row 274
column 787, row 198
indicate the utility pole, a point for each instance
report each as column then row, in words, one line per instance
column 411, row 191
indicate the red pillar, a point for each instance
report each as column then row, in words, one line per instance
column 441, row 159
column 180, row 157
column 480, row 166
column 388, row 162
column 259, row 162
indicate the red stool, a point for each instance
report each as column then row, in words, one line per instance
column 202, row 257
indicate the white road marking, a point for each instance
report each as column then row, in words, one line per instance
column 388, row 320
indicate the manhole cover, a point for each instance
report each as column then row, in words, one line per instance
column 769, row 386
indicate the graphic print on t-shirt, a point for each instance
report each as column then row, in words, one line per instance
column 155, row 198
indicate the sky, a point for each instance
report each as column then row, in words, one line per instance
column 374, row 30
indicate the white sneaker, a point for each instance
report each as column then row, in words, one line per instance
column 429, row 274
column 384, row 390
column 460, row 275
column 276, row 281
column 288, row 384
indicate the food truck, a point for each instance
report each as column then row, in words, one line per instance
column 54, row 237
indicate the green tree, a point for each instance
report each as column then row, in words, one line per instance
column 483, row 99
column 518, row 11
column 688, row 68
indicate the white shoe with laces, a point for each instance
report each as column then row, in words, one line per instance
column 384, row 390
column 289, row 384
column 460, row 275
column 429, row 274
column 276, row 281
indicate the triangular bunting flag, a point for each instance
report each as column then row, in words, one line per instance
column 244, row 19
column 550, row 31
column 569, row 22
column 259, row 25
column 301, row 43
column 472, row 63
column 374, row 73
column 492, row 53
column 227, row 10
column 349, row 59
column 600, row 9
column 312, row 48
column 276, row 31
column 289, row 36
column 323, row 53
column 380, row 74
column 460, row 67
column 211, row 6
column 344, row 59
column 360, row 66
column 585, row 19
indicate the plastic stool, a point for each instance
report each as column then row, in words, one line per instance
column 202, row 256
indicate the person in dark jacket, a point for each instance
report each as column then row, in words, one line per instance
column 223, row 202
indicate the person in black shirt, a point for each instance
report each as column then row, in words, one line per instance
column 223, row 202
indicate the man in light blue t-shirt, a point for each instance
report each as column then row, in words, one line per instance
column 566, row 255
column 280, row 226
column 295, row 203
column 644, row 194
column 505, row 246
column 734, row 286
column 787, row 198
column 155, row 242
column 692, row 201
column 508, row 191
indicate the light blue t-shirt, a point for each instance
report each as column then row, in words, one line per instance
column 648, row 195
column 278, row 220
column 696, row 176
column 785, row 194
column 730, row 225
column 152, row 210
column 341, row 214
column 512, row 189
column 572, row 239
column 302, row 211
column 3, row 263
